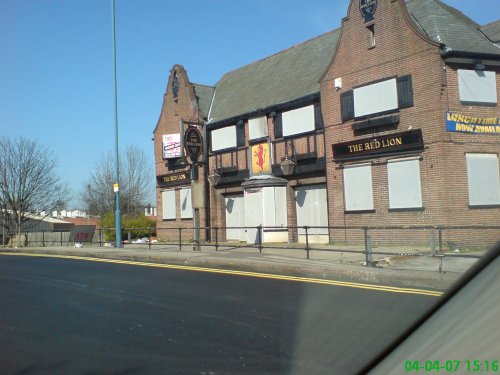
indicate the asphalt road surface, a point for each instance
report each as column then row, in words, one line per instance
column 60, row 316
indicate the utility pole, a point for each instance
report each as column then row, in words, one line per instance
column 116, row 186
column 3, row 227
column 19, row 227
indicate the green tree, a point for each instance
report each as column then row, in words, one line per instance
column 139, row 226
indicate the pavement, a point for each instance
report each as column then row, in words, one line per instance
column 397, row 267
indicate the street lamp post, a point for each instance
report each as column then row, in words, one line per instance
column 116, row 187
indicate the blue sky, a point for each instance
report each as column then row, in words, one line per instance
column 56, row 71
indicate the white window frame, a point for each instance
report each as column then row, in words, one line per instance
column 298, row 121
column 167, row 212
column 185, row 197
column 404, row 183
column 477, row 86
column 376, row 98
column 483, row 185
column 358, row 187
column 257, row 128
column 223, row 138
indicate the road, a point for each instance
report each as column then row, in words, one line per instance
column 62, row 316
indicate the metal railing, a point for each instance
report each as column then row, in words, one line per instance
column 360, row 239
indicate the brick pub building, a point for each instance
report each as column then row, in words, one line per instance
column 391, row 120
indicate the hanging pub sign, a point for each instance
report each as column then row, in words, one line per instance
column 409, row 141
column 367, row 9
column 456, row 122
column 193, row 143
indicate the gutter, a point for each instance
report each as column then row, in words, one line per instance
column 447, row 53
column 304, row 100
column 464, row 57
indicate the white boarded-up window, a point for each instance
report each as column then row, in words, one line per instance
column 375, row 98
column 298, row 121
column 311, row 208
column 235, row 218
column 405, row 190
column 280, row 205
column 257, row 127
column 358, row 189
column 274, row 203
column 168, row 204
column 186, row 206
column 477, row 86
column 224, row 138
column 483, row 179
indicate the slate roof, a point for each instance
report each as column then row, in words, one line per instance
column 204, row 95
column 295, row 72
column 448, row 26
column 492, row 31
column 282, row 77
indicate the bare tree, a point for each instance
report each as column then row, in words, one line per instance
column 136, row 184
column 28, row 182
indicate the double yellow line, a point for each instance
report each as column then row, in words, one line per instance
column 381, row 288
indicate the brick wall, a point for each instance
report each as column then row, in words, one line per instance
column 173, row 111
column 401, row 50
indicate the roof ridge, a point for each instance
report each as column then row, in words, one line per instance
column 489, row 24
column 201, row 84
column 457, row 13
column 278, row 53
column 464, row 20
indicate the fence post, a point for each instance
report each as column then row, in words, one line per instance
column 149, row 238
column 368, row 248
column 216, row 238
column 440, row 233
column 100, row 237
column 60, row 238
column 307, row 241
column 43, row 238
column 259, row 231
column 433, row 242
column 180, row 239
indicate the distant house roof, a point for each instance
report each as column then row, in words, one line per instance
column 444, row 24
column 46, row 219
column 279, row 78
column 83, row 221
column 492, row 31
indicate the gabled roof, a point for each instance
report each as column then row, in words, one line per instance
column 285, row 76
column 492, row 31
column 444, row 24
column 204, row 95
column 295, row 72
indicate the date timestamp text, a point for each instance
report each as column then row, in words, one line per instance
column 455, row 365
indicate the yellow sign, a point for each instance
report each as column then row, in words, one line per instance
column 115, row 187
column 261, row 158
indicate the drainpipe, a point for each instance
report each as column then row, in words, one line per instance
column 207, row 185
